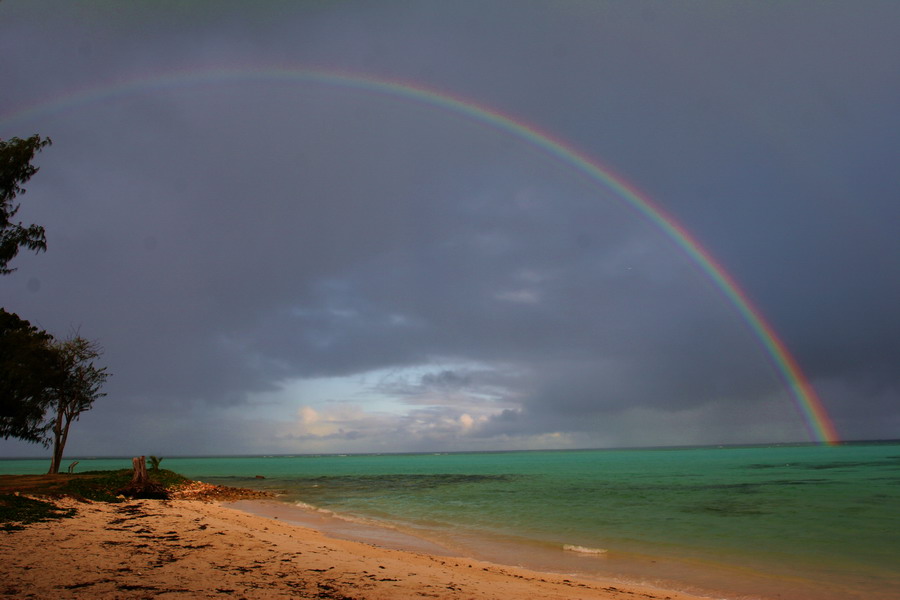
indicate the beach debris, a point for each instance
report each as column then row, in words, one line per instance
column 207, row 492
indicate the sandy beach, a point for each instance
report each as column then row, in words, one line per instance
column 192, row 549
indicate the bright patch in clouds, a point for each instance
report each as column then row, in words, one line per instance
column 430, row 406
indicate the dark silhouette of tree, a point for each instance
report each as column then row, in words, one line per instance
column 28, row 366
column 28, row 372
column 37, row 373
column 75, row 390
column 15, row 170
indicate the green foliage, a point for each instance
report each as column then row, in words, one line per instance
column 75, row 391
column 100, row 486
column 15, row 170
column 29, row 368
column 37, row 372
column 17, row 511
column 104, row 486
column 82, row 379
column 169, row 479
column 154, row 462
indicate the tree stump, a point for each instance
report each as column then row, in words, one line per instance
column 141, row 486
column 140, row 477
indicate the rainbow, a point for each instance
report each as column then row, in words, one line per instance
column 819, row 423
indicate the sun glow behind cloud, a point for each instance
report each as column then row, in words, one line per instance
column 437, row 404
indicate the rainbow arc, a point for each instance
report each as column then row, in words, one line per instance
column 819, row 423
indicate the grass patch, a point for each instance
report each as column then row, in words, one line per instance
column 103, row 486
column 98, row 486
column 17, row 511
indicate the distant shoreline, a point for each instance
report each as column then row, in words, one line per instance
column 68, row 459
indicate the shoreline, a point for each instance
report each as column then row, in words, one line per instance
column 192, row 549
column 692, row 578
column 676, row 574
column 494, row 549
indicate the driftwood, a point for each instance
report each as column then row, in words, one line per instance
column 141, row 486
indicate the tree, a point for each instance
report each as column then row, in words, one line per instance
column 28, row 371
column 37, row 374
column 75, row 390
column 27, row 359
column 15, row 170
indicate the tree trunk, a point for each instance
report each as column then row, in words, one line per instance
column 141, row 486
column 60, row 433
column 139, row 479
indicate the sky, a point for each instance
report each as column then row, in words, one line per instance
column 334, row 227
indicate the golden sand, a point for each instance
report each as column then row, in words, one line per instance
column 182, row 549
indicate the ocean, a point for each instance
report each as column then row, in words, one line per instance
column 803, row 522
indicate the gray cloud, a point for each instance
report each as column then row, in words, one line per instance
column 225, row 240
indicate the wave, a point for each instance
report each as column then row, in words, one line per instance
column 584, row 550
column 310, row 507
column 342, row 516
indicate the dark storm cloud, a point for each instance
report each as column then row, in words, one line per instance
column 225, row 239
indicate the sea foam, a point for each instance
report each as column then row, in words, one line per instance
column 584, row 550
column 345, row 517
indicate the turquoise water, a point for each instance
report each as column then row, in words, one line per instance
column 823, row 522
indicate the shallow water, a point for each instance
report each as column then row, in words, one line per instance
column 815, row 521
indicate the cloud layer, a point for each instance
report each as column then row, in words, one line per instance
column 278, row 265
